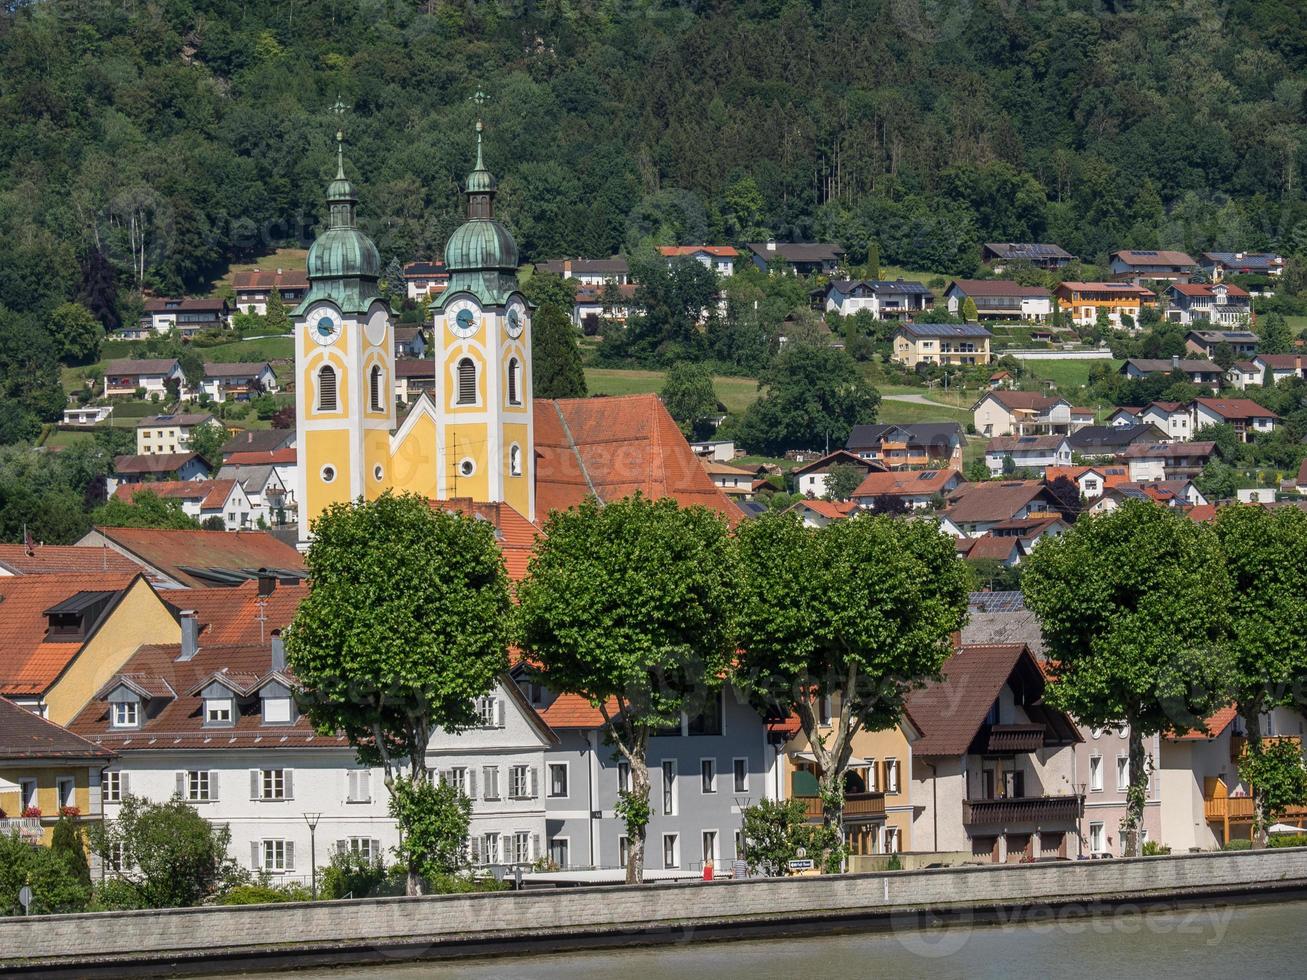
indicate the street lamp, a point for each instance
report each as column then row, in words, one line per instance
column 312, row 820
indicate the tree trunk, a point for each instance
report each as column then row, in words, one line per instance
column 1253, row 732
column 831, row 786
column 1136, row 795
column 636, row 831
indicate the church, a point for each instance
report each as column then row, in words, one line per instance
column 480, row 440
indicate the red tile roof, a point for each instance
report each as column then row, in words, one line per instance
column 212, row 494
column 61, row 559
column 721, row 251
column 611, row 448
column 574, row 711
column 990, row 548
column 906, row 483
column 1212, row 727
column 832, row 510
column 24, row 735
column 1282, row 362
column 1075, row 473
column 1205, row 289
column 170, row 551
column 252, row 279
column 1202, row 512
column 997, row 287
column 155, row 463
column 1151, row 258
column 1236, row 408
column 277, row 457
column 238, row 614
column 515, row 535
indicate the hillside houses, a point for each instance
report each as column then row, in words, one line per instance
column 1202, row 373
column 1205, row 342
column 1011, row 453
column 1217, row 265
column 1137, row 265
column 1221, row 303
column 254, row 288
column 1006, row 413
column 1084, row 301
column 1000, row 256
column 908, row 446
column 150, row 377
column 885, row 300
column 796, row 258
column 720, row 259
column 997, row 299
column 940, row 343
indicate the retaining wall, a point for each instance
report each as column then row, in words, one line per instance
column 1056, row 354
column 271, row 936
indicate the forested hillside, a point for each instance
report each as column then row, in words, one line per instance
column 150, row 144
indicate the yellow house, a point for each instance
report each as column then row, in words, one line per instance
column 65, row 635
column 940, row 343
column 45, row 771
column 877, row 804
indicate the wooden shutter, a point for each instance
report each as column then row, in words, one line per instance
column 326, row 388
column 376, row 850
column 467, row 382
column 255, row 856
column 213, row 784
column 122, row 785
column 365, row 785
column 471, row 782
column 290, row 855
column 474, row 849
column 535, row 847
column 254, row 785
column 533, row 786
column 181, row 785
column 288, row 783
column 499, row 712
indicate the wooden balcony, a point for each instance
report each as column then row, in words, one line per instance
column 857, row 806
column 1236, row 809
column 1010, row 739
column 1238, row 743
column 1022, row 809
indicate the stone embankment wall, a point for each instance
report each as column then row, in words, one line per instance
column 271, row 936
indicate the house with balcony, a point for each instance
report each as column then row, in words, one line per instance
column 238, row 381
column 1204, row 343
column 940, row 344
column 1217, row 265
column 1099, row 441
column 1199, row 372
column 1246, row 417
column 815, row 512
column 592, row 305
column 719, row 258
column 810, row 478
column 153, row 467
column 796, row 258
column 615, row 271
column 975, row 509
column 45, row 772
column 409, row 342
column 994, row 767
column 1137, row 265
column 1006, row 413
column 997, row 299
column 1083, row 301
column 734, row 481
column 423, row 279
column 254, row 287
column 1219, row 303
column 1279, row 367
column 916, row 445
column 1167, row 461
column 1000, row 256
column 169, row 434
column 884, row 299
column 414, row 377
column 222, row 500
column 908, row 489
column 126, row 376
column 1243, row 375
column 272, row 499
column 187, row 316
column 88, row 414
column 1012, row 453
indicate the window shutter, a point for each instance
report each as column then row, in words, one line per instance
column 365, row 785
column 376, row 849
column 342, row 847
column 327, row 389
column 487, row 785
column 181, row 785
column 467, row 382
column 474, row 849
column 213, row 784
column 122, row 785
column 254, row 855
column 254, row 786
column 535, row 846
column 499, row 712
column 289, row 784
column 471, row 783
column 533, row 789
column 290, row 855
column 351, row 786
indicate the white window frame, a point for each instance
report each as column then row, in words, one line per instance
column 891, row 775
column 519, row 782
column 892, row 839
column 567, row 851
column 716, row 855
column 115, row 858
column 567, row 780
column 199, row 786
column 362, row 846
column 741, row 785
column 521, row 847
column 623, row 776
column 488, row 711
column 125, row 714
column 62, row 798
column 272, row 855
column 111, row 786
column 28, row 794
column 1097, row 835
column 1123, row 772
column 1095, row 773
column 358, row 785
column 491, row 844
column 675, row 861
column 272, row 784
column 456, row 776
column 668, row 771
column 708, row 776
column 490, row 783
column 214, row 709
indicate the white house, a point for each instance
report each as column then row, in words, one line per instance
column 238, row 381
column 1280, row 366
column 87, row 414
column 1172, row 418
column 270, row 496
column 187, row 316
column 997, row 299
column 1246, row 416
column 719, row 258
column 810, row 479
column 1243, row 375
column 170, row 433
column 884, row 299
column 225, row 500
column 1027, row 452
column 125, row 376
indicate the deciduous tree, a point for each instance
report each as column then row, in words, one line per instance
column 688, row 395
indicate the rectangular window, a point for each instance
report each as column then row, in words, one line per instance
column 741, row 782
column 669, row 788
column 111, row 786
column 624, row 777
column 368, row 848
column 1097, row 841
column 490, row 782
column 359, row 786
column 708, row 775
column 272, row 784
column 64, row 788
column 1096, row 773
column 709, row 720
column 558, row 779
column 521, row 847
column 1123, row 772
column 125, row 714
column 27, row 792
column 519, row 782
column 891, row 840
column 891, row 775
column 274, row 855
column 197, row 786
column 670, row 857
column 623, row 851
column 488, row 711
column 276, row 711
column 558, row 852
column 217, row 711
column 457, row 778
column 709, row 847
column 490, row 848
column 739, row 845
column 116, row 857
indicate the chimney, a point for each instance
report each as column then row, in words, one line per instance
column 1239, row 256
column 567, row 268
column 278, row 270
column 190, row 634
column 278, row 651
column 1175, row 362
column 771, row 244
column 267, row 582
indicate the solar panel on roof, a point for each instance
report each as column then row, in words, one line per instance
column 928, row 474
column 996, row 602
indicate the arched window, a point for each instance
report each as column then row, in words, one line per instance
column 467, row 382
column 514, row 381
column 326, row 388
column 515, row 460
column 374, row 388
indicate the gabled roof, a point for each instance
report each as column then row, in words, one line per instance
column 1074, row 473
column 200, row 558
column 1235, row 408
column 572, row 711
column 415, row 367
column 1027, row 251
column 261, row 279
column 25, row 736
column 613, row 447
column 989, row 547
column 156, row 463
column 1015, row 401
column 840, row 456
column 425, row 270
column 182, row 419
column 253, row 477
column 1169, row 450
column 259, row 441
column 994, row 500
column 1007, row 444
column 62, row 559
column 238, row 615
column 127, row 365
column 236, row 369
column 996, row 287
column 1212, row 727
column 1197, row 289
column 832, row 510
column 1127, row 289
column 719, row 251
column 1163, row 365
column 1282, row 362
column 906, row 483
column 797, row 251
column 276, row 457
column 944, row 330
column 917, row 434
column 211, row 494
column 616, row 266
column 1151, row 257
column 166, row 304
column 1244, row 260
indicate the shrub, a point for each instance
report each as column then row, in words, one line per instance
column 349, row 874
column 115, row 895
column 1152, row 848
column 1238, row 845
column 262, row 893
column 1287, row 840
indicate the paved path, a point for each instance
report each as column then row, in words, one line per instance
column 916, row 400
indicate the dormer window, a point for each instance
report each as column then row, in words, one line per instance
column 217, row 711
column 276, row 711
column 125, row 714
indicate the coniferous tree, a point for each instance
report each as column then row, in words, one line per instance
column 556, row 370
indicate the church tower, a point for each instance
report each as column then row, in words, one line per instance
column 344, row 364
column 485, row 445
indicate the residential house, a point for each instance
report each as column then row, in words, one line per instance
column 594, row 304
column 796, row 258
column 127, row 376
column 940, row 343
column 88, row 414
column 271, row 498
column 169, row 434
column 1026, row 452
column 1006, row 413
column 1167, row 461
column 61, row 633
column 909, row 446
column 1103, row 766
column 1008, row 542
column 157, row 466
column 703, row 771
column 1002, row 379
column 1217, row 265
column 254, row 287
column 45, row 771
column 238, row 381
column 1243, row 375
column 589, row 272
column 1124, row 416
column 1223, row 303
column 1083, row 301
column 187, row 316
column 719, row 258
column 225, row 500
column 1203, row 373
column 1136, row 265
column 1089, row 480
column 733, row 481
column 885, row 300
column 998, row 299
column 1246, row 416
column 410, row 342
column 810, row 478
column 719, row 450
column 1108, row 440
column 994, row 767
column 818, row 513
column 1280, row 366
column 1173, row 418
column 912, row 489
column 422, row 279
column 1002, row 255
column 973, row 509
column 187, row 559
column 413, row 377
column 258, row 441
column 1205, row 342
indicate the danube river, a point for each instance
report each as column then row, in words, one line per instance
column 1238, row 941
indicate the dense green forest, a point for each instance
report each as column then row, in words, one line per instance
column 150, row 144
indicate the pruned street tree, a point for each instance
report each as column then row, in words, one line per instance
column 629, row 604
column 405, row 625
column 859, row 612
column 1134, row 607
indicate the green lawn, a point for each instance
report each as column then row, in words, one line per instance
column 1065, row 374
column 282, row 258
column 912, row 275
column 904, row 413
column 263, row 349
column 736, row 394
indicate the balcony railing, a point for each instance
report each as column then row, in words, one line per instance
column 28, row 828
column 1022, row 809
column 857, row 806
column 1015, row 738
column 1229, row 808
column 1240, row 742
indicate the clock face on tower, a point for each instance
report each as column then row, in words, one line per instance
column 516, row 319
column 376, row 328
column 324, row 326
column 463, row 320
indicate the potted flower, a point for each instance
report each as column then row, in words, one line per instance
column 32, row 810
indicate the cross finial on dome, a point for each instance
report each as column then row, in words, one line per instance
column 340, row 108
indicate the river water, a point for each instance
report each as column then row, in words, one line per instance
column 1232, row 941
